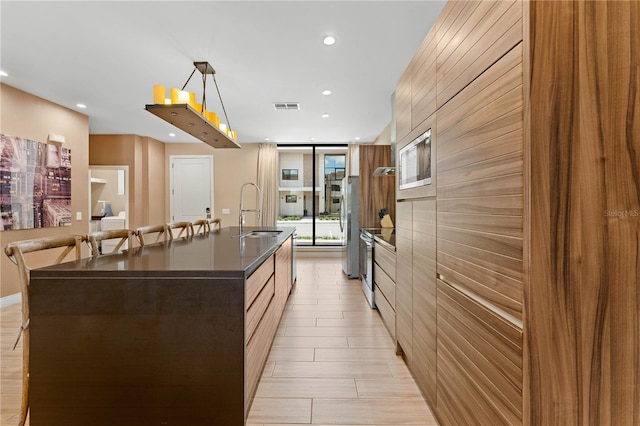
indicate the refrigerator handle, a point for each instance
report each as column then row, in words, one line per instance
column 341, row 207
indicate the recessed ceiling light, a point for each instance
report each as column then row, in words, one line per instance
column 81, row 105
column 325, row 115
column 172, row 134
column 312, row 139
column 326, row 92
column 3, row 74
column 357, row 138
column 329, row 40
column 267, row 139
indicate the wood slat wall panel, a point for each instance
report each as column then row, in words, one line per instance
column 496, row 288
column 491, row 97
column 460, row 21
column 502, row 225
column 508, row 266
column 424, row 297
column 447, row 18
column 489, row 187
column 497, row 206
column 450, row 411
column 504, row 124
column 477, row 47
column 404, row 278
column 495, row 406
column 477, row 376
column 497, row 337
column 498, row 156
column 423, row 80
column 403, row 105
column 582, row 296
column 500, row 244
column 376, row 192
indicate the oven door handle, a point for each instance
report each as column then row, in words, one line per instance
column 368, row 241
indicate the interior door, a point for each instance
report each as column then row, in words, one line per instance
column 191, row 186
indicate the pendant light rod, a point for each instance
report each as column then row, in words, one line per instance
column 187, row 82
column 222, row 103
column 205, row 68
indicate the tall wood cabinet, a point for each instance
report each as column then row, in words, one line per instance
column 517, row 292
column 376, row 192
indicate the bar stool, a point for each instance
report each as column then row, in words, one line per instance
column 124, row 236
column 200, row 226
column 16, row 251
column 214, row 222
column 161, row 231
column 185, row 229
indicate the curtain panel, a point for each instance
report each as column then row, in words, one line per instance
column 268, row 182
column 353, row 159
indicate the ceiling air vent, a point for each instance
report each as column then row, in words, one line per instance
column 286, row 105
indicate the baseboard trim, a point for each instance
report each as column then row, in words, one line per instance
column 11, row 299
column 315, row 251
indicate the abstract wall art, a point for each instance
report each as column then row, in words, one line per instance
column 35, row 184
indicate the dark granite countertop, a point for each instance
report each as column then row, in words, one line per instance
column 217, row 254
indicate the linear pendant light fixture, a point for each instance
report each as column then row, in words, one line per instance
column 181, row 111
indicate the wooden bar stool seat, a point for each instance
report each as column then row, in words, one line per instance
column 124, row 236
column 182, row 230
column 161, row 234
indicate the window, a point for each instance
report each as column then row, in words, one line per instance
column 310, row 192
column 289, row 174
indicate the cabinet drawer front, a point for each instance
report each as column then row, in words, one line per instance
column 386, row 259
column 387, row 313
column 258, row 279
column 257, row 352
column 479, row 362
column 258, row 307
column 386, row 285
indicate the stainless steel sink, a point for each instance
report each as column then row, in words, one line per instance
column 261, row 234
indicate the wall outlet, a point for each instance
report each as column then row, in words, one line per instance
column 226, row 211
column 78, row 215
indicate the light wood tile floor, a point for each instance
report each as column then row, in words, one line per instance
column 332, row 361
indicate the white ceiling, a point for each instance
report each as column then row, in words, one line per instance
column 108, row 55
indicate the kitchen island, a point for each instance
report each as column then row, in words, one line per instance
column 175, row 333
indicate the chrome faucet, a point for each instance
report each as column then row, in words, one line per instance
column 258, row 211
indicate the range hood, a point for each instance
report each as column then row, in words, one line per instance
column 390, row 170
column 385, row 171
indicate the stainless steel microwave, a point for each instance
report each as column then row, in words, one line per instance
column 414, row 162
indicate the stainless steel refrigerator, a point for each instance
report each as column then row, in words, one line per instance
column 350, row 227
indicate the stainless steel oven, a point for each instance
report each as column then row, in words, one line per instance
column 366, row 266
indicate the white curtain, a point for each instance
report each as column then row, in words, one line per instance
column 353, row 160
column 268, row 182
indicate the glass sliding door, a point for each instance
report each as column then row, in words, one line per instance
column 310, row 191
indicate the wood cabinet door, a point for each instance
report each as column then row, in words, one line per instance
column 283, row 275
column 470, row 38
column 479, row 362
column 424, row 297
column 404, row 278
